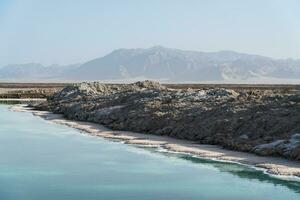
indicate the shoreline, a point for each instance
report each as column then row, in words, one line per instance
column 22, row 99
column 275, row 166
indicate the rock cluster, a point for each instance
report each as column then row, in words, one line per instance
column 261, row 121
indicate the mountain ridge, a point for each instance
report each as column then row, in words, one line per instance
column 173, row 65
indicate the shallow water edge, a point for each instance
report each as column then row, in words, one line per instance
column 275, row 167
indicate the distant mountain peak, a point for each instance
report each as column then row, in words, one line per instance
column 158, row 47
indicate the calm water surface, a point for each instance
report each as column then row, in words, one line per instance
column 44, row 161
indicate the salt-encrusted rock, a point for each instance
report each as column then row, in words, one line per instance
column 244, row 137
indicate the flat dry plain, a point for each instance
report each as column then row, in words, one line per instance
column 43, row 90
column 28, row 90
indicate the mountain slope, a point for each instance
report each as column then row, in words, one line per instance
column 165, row 64
column 177, row 65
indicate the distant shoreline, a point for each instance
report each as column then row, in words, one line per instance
column 282, row 168
column 23, row 100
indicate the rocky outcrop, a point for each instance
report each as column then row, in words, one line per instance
column 255, row 120
column 288, row 148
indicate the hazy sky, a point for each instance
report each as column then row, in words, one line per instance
column 72, row 31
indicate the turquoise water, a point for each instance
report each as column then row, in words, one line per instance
column 44, row 161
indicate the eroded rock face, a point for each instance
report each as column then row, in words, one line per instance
column 260, row 121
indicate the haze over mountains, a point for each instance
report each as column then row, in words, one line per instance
column 167, row 65
column 34, row 71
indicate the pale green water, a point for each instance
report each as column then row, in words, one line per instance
column 44, row 161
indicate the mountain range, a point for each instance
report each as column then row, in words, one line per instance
column 167, row 65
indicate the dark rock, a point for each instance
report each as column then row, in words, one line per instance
column 261, row 121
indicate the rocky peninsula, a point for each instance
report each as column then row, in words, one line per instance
column 265, row 122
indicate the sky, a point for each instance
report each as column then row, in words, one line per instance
column 75, row 31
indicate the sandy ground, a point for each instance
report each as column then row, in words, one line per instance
column 277, row 166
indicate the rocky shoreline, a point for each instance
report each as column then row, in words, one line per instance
column 281, row 168
column 261, row 121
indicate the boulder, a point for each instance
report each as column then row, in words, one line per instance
column 269, row 148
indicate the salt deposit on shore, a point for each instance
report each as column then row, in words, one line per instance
column 272, row 165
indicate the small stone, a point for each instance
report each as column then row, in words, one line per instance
column 244, row 137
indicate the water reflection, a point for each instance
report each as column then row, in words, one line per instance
column 235, row 169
